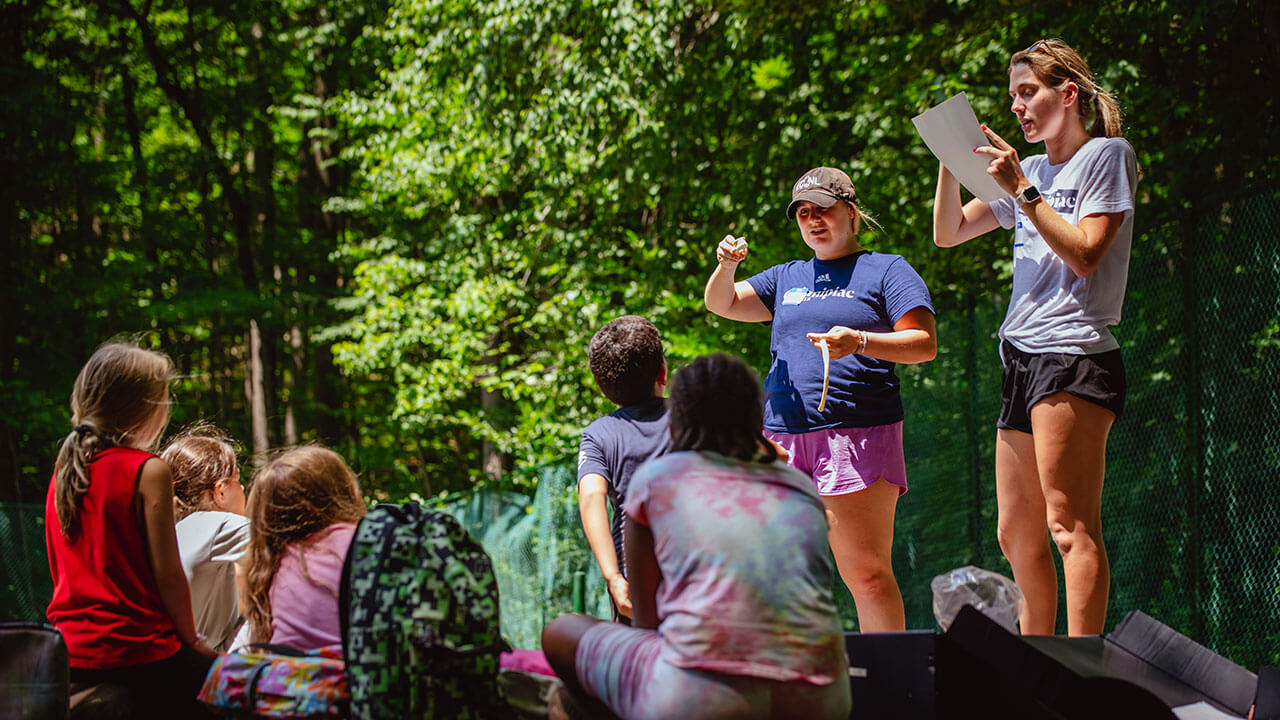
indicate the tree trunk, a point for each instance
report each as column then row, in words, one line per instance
column 297, row 367
column 253, row 390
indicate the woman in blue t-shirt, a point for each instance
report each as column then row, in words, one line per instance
column 1071, row 211
column 869, row 310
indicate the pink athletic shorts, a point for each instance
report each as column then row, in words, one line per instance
column 846, row 460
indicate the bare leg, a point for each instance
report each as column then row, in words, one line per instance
column 862, row 541
column 1071, row 453
column 1023, row 532
column 560, row 639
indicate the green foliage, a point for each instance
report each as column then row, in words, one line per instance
column 528, row 171
column 429, row 206
column 173, row 160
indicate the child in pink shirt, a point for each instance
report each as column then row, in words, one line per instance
column 303, row 510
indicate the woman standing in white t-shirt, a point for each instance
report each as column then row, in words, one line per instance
column 1071, row 210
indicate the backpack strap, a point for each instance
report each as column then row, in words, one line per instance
column 251, row 682
column 344, row 589
column 400, row 514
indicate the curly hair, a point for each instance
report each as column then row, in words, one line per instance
column 120, row 399
column 297, row 494
column 715, row 406
column 626, row 358
column 199, row 457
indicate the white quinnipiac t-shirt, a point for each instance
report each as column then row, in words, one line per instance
column 1051, row 310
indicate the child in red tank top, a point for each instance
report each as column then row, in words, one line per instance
column 120, row 597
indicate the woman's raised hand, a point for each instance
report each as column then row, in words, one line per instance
column 1004, row 166
column 731, row 250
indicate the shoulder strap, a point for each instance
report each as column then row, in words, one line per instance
column 344, row 588
column 394, row 515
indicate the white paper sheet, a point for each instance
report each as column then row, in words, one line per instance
column 1202, row 711
column 951, row 131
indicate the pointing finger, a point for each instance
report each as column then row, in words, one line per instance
column 996, row 139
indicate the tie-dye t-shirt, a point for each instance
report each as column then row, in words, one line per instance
column 747, row 575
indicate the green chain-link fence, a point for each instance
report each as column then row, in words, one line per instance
column 1192, row 523
column 1190, row 513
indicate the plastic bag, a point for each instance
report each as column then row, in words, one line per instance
column 995, row 595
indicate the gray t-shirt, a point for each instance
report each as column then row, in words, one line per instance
column 1051, row 310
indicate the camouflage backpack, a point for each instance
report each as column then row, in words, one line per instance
column 420, row 619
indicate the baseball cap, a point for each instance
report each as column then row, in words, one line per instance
column 822, row 186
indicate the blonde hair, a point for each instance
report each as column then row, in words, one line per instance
column 297, row 494
column 1055, row 64
column 116, row 397
column 861, row 217
column 199, row 457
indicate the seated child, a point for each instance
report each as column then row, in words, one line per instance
column 730, row 572
column 303, row 510
column 120, row 598
column 212, row 529
column 626, row 360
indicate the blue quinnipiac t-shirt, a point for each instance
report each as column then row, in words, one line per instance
column 863, row 291
column 615, row 445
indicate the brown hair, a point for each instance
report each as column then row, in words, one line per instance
column 199, row 457
column 715, row 406
column 297, row 494
column 114, row 402
column 625, row 357
column 1055, row 64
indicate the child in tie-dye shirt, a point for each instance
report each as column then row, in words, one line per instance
column 730, row 577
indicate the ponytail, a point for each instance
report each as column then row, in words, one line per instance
column 1107, row 121
column 864, row 218
column 71, row 474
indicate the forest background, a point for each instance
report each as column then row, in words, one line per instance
column 392, row 227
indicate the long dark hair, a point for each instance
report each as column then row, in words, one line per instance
column 715, row 406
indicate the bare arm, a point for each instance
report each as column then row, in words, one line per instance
column 242, row 586
column 155, row 493
column 1081, row 248
column 592, row 506
column 642, row 564
column 914, row 339
column 724, row 297
column 953, row 224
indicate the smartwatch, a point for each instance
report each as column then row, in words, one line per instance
column 1029, row 194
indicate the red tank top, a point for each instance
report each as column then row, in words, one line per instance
column 105, row 599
